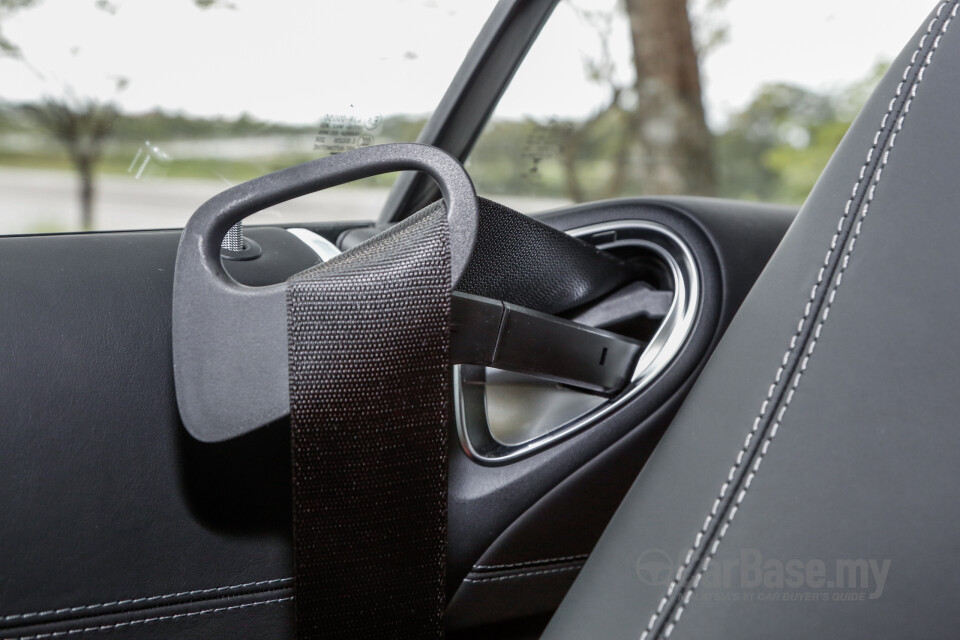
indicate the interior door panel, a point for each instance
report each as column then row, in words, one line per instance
column 617, row 367
column 116, row 519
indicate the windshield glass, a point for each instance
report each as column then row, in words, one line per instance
column 123, row 114
column 742, row 99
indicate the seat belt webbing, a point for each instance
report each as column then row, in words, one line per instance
column 369, row 398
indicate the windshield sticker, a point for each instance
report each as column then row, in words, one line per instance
column 544, row 143
column 343, row 132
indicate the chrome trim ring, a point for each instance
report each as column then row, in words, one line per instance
column 470, row 397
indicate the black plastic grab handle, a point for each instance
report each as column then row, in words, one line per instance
column 223, row 391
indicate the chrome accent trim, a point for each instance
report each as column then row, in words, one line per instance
column 324, row 249
column 666, row 343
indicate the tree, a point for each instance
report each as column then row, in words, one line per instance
column 674, row 141
column 81, row 126
column 602, row 70
column 652, row 135
column 8, row 8
column 777, row 146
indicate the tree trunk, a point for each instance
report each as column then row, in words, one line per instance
column 84, row 167
column 674, row 140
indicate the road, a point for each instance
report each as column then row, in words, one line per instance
column 34, row 201
column 38, row 201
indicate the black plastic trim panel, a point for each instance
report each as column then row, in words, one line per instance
column 106, row 498
column 584, row 478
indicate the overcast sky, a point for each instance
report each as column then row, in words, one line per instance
column 295, row 60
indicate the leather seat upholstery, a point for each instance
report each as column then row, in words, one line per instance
column 808, row 485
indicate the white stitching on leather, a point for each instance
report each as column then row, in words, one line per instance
column 524, row 575
column 131, row 623
column 182, row 594
column 794, row 340
column 527, row 563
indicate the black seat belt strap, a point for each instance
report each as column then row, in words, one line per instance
column 369, row 375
